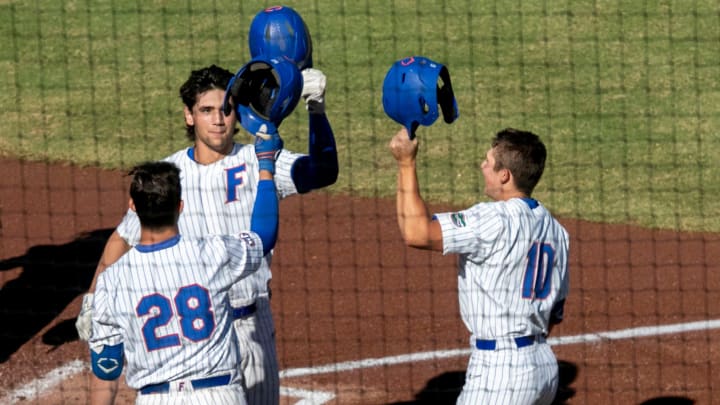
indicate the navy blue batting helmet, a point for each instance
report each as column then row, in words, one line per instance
column 279, row 31
column 264, row 92
column 413, row 89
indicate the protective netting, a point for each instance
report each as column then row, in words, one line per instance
column 625, row 96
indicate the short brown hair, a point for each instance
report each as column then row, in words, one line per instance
column 523, row 153
column 155, row 190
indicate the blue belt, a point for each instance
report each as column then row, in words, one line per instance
column 488, row 344
column 245, row 311
column 198, row 384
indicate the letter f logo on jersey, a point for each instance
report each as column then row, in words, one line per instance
column 235, row 178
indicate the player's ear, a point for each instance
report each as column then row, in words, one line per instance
column 131, row 205
column 505, row 175
column 188, row 116
column 181, row 206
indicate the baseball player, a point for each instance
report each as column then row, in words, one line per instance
column 164, row 306
column 219, row 179
column 512, row 268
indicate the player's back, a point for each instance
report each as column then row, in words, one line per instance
column 511, row 285
column 171, row 302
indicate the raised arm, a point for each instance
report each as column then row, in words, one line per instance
column 320, row 167
column 417, row 227
column 264, row 220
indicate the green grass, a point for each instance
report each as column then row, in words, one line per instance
column 625, row 94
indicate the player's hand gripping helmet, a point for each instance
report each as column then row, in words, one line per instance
column 264, row 92
column 279, row 31
column 413, row 89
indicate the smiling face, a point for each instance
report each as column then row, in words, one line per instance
column 213, row 129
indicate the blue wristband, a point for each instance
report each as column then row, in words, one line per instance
column 267, row 164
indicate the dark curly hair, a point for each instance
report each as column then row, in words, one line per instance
column 200, row 81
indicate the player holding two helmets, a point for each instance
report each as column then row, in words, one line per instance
column 219, row 176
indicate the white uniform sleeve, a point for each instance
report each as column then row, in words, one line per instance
column 105, row 329
column 283, row 173
column 245, row 253
column 129, row 228
column 473, row 231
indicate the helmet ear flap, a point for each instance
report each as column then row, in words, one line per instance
column 446, row 97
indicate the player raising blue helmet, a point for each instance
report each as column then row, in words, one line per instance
column 264, row 92
column 280, row 32
column 412, row 90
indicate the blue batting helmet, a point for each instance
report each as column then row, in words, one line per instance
column 279, row 31
column 264, row 92
column 413, row 89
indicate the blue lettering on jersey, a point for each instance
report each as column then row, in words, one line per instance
column 194, row 307
column 537, row 282
column 158, row 312
column 235, row 177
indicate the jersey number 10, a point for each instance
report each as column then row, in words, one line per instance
column 538, row 274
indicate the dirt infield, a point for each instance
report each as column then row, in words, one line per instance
column 360, row 318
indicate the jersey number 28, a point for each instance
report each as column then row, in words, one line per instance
column 538, row 274
column 193, row 307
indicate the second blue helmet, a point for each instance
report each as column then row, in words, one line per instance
column 280, row 32
column 412, row 90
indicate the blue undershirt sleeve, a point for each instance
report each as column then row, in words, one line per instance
column 320, row 167
column 264, row 221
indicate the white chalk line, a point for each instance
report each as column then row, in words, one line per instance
column 37, row 387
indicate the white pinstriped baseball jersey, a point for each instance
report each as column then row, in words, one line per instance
column 168, row 304
column 513, row 266
column 512, row 270
column 218, row 200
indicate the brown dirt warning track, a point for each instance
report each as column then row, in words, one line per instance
column 360, row 318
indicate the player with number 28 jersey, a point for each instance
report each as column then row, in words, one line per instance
column 172, row 295
column 164, row 306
